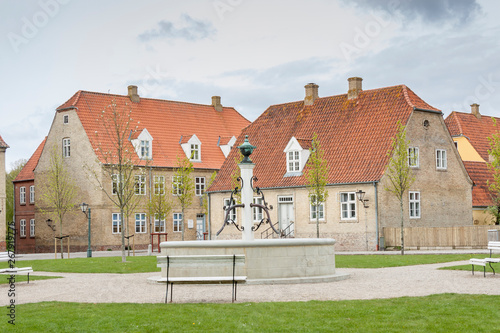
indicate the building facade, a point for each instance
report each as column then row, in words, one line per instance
column 355, row 131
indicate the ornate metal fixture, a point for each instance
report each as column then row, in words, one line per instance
column 232, row 206
column 264, row 207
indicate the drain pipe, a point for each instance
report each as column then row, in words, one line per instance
column 376, row 216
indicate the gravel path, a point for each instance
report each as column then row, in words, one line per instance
column 392, row 282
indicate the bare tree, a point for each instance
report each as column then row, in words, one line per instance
column 17, row 166
column 494, row 166
column 316, row 173
column 183, row 186
column 399, row 172
column 58, row 194
column 160, row 205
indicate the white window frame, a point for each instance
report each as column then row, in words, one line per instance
column 145, row 149
column 232, row 214
column 66, row 119
column 194, row 152
column 176, row 184
column 66, row 147
column 22, row 228
column 140, row 223
column 116, row 225
column 140, row 185
column 441, row 159
column 413, row 157
column 257, row 211
column 293, row 161
column 32, row 228
column 32, row 194
column 414, row 207
column 177, row 219
column 159, row 185
column 316, row 209
column 115, row 183
column 22, row 195
column 199, row 185
column 348, row 207
column 159, row 225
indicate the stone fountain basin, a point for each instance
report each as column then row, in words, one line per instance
column 267, row 261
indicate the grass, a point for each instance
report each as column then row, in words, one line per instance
column 4, row 279
column 144, row 264
column 477, row 269
column 435, row 313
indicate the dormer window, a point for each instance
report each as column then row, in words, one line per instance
column 192, row 147
column 297, row 153
column 143, row 144
column 195, row 152
column 226, row 143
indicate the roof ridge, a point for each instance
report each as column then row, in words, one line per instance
column 407, row 98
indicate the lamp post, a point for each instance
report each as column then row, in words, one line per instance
column 361, row 197
column 87, row 211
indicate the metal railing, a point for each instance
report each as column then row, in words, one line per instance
column 284, row 233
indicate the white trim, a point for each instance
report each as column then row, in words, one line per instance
column 32, row 227
column 412, row 151
column 22, row 228
column 349, row 206
column 118, row 223
column 441, row 159
column 22, row 195
column 178, row 220
column 414, row 205
column 142, row 223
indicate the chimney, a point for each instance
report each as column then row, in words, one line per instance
column 216, row 103
column 132, row 94
column 355, row 87
column 474, row 108
column 311, row 93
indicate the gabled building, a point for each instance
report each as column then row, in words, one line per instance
column 470, row 132
column 160, row 133
column 355, row 130
column 24, row 204
column 3, row 195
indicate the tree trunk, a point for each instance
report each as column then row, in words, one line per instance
column 124, row 259
column 62, row 248
column 402, row 228
column 182, row 224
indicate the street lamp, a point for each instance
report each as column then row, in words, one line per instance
column 86, row 210
column 361, row 197
column 51, row 226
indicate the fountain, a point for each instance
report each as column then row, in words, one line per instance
column 267, row 261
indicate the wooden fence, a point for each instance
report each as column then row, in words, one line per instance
column 453, row 237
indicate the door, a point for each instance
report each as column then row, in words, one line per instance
column 200, row 227
column 287, row 218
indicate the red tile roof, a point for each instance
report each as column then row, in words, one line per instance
column 476, row 130
column 166, row 121
column 355, row 135
column 3, row 144
column 480, row 174
column 26, row 172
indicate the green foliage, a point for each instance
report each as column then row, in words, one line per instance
column 316, row 173
column 388, row 260
column 17, row 166
column 494, row 166
column 184, row 188
column 435, row 313
column 4, row 279
column 399, row 172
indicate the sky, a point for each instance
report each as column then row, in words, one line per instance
column 252, row 53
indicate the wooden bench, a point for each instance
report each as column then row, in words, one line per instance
column 492, row 246
column 6, row 256
column 219, row 263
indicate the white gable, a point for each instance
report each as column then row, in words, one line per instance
column 294, row 146
column 227, row 147
column 146, row 137
column 193, row 140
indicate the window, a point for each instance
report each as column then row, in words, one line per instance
column 140, row 185
column 65, row 119
column 116, row 183
column 159, row 185
column 177, row 222
column 317, row 211
column 145, row 149
column 199, row 183
column 441, row 162
column 232, row 213
column 22, row 195
column 195, row 152
column 32, row 194
column 117, row 223
column 414, row 205
column 293, row 161
column 66, row 147
column 159, row 224
column 22, row 228
column 176, row 185
column 140, row 223
column 257, row 211
column 32, row 228
column 348, row 205
column 413, row 157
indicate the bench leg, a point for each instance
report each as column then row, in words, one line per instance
column 472, row 269
column 491, row 268
column 166, row 294
column 29, row 277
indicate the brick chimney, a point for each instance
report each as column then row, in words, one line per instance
column 216, row 103
column 132, row 94
column 355, row 87
column 474, row 108
column 311, row 93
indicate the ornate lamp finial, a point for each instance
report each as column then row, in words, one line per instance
column 246, row 150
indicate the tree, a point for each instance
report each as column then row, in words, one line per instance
column 183, row 186
column 17, row 166
column 119, row 159
column 316, row 173
column 494, row 166
column 160, row 205
column 59, row 191
column 399, row 172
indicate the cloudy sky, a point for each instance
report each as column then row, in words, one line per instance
column 253, row 53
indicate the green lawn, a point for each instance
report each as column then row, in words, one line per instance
column 436, row 313
column 4, row 279
column 144, row 264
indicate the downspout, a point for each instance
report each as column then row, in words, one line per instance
column 150, row 198
column 377, row 247
column 209, row 218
